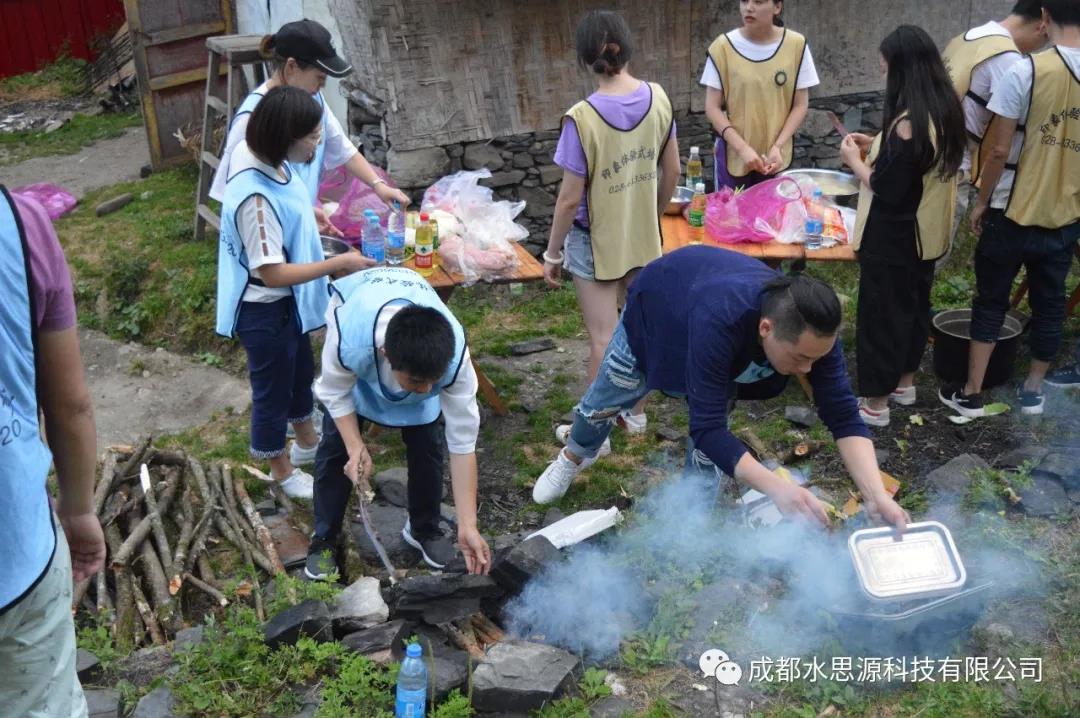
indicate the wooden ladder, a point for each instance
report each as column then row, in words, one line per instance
column 231, row 52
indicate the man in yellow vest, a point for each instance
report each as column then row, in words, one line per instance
column 977, row 61
column 1039, row 224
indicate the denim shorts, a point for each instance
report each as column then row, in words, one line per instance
column 577, row 254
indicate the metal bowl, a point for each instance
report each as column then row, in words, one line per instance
column 679, row 201
column 831, row 182
column 332, row 246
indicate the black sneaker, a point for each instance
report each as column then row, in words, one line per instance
column 437, row 551
column 1066, row 376
column 321, row 560
column 1031, row 402
column 953, row 396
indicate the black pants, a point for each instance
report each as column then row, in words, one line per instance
column 424, row 456
column 1004, row 247
column 893, row 322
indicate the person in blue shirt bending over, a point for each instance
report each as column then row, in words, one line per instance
column 712, row 325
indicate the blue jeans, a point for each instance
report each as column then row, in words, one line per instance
column 618, row 386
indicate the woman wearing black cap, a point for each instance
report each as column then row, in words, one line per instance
column 303, row 55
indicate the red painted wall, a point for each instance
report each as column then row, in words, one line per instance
column 35, row 32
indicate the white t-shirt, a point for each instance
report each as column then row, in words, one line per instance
column 259, row 229
column 807, row 78
column 1012, row 100
column 984, row 78
column 458, row 401
column 339, row 148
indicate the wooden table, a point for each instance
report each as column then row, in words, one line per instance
column 445, row 282
column 676, row 234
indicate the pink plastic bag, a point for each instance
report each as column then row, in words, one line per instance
column 57, row 201
column 353, row 197
column 753, row 215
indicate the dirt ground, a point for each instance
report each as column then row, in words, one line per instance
column 103, row 163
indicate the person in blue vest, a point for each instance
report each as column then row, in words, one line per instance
column 41, row 371
column 302, row 55
column 396, row 356
column 713, row 325
column 272, row 278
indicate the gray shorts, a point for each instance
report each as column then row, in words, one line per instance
column 577, row 254
column 37, row 647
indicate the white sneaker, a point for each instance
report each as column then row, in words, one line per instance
column 873, row 417
column 299, row 456
column 299, row 485
column 557, row 477
column 904, row 396
column 634, row 423
column 562, row 433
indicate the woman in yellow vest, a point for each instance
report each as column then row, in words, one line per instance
column 757, row 79
column 904, row 221
column 620, row 161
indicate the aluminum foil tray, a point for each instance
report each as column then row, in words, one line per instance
column 923, row 564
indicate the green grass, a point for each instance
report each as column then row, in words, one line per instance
column 63, row 78
column 79, row 132
column 537, row 312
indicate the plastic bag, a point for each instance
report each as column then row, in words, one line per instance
column 476, row 231
column 753, row 215
column 792, row 228
column 352, row 197
column 56, row 200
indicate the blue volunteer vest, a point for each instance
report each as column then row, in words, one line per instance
column 364, row 295
column 311, row 172
column 302, row 245
column 29, row 539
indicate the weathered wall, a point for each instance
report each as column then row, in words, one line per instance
column 475, row 69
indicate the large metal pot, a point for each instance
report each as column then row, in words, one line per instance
column 951, row 332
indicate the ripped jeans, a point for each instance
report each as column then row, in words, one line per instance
column 618, row 386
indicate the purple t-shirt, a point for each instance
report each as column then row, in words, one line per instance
column 50, row 280
column 622, row 112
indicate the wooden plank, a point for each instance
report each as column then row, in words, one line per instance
column 217, row 105
column 211, row 218
column 210, row 159
column 528, row 270
column 676, row 234
column 185, row 32
column 176, row 79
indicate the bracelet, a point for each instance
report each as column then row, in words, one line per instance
column 724, row 131
column 550, row 260
column 378, row 181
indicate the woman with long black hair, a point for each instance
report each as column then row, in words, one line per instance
column 906, row 204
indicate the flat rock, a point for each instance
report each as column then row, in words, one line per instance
column 87, row 666
column 415, row 589
column 1060, row 464
column 1046, row 497
column 532, row 346
column 954, row 477
column 550, row 174
column 611, row 707
column 158, row 703
column 518, row 676
column 392, row 486
column 666, row 433
column 451, row 671
column 443, row 611
column 417, row 168
column 359, row 606
column 481, row 154
column 187, row 638
column 308, row 618
column 524, row 561
column 1017, row 457
column 103, row 703
column 553, row 515
column 882, row 456
column 568, row 417
column 803, row 416
column 387, row 520
column 376, row 639
column 504, row 179
column 538, row 202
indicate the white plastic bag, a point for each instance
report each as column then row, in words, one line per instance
column 476, row 231
column 792, row 229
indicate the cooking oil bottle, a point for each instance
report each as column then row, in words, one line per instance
column 693, row 168
column 696, row 215
column 425, row 247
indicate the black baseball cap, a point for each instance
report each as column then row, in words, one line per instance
column 308, row 41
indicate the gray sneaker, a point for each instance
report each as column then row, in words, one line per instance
column 437, row 551
column 321, row 560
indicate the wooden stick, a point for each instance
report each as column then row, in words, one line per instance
column 124, row 626
column 199, row 475
column 206, row 571
column 154, row 514
column 168, row 458
column 757, row 445
column 185, row 519
column 223, row 520
column 148, row 617
column 802, row 450
column 263, row 533
column 207, row 589
column 154, row 574
column 104, row 602
column 198, row 544
column 282, row 498
column 485, row 625
column 464, row 639
column 128, row 470
column 105, row 482
column 229, row 486
column 124, row 552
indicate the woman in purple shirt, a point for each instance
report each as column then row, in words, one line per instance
column 622, row 107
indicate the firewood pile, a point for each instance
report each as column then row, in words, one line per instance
column 161, row 512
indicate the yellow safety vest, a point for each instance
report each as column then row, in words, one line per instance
column 623, row 176
column 758, row 96
column 961, row 57
column 1046, row 191
column 934, row 217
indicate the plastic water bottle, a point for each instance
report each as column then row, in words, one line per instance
column 814, row 228
column 412, row 684
column 694, row 171
column 372, row 243
column 395, row 236
column 696, row 215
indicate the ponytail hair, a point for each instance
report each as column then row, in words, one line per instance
column 603, row 42
column 778, row 20
column 269, row 52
